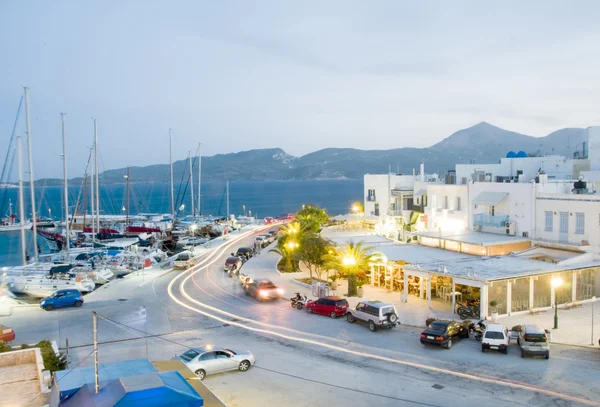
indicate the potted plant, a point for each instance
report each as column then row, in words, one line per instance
column 494, row 307
column 360, row 281
column 333, row 278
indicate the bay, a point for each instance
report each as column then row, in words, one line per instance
column 269, row 198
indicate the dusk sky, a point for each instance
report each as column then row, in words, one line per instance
column 305, row 75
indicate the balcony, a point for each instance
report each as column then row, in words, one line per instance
column 370, row 198
column 482, row 219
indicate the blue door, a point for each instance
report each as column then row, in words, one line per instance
column 61, row 300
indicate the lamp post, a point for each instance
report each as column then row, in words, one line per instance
column 556, row 283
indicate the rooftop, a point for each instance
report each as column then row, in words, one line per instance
column 19, row 379
column 475, row 238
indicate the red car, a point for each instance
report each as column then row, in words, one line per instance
column 332, row 306
column 6, row 334
column 269, row 221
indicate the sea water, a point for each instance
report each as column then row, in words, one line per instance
column 269, row 198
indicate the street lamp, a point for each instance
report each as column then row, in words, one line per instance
column 355, row 208
column 556, row 283
column 292, row 245
column 348, row 260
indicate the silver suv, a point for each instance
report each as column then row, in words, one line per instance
column 376, row 313
column 533, row 341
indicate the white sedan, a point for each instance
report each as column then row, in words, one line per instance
column 212, row 359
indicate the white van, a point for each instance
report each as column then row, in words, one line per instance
column 495, row 337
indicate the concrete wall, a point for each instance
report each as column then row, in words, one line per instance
column 383, row 185
column 555, row 166
column 23, row 357
column 451, row 218
column 589, row 205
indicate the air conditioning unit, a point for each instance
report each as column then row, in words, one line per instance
column 511, row 228
column 478, row 228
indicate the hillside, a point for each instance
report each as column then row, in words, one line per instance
column 483, row 143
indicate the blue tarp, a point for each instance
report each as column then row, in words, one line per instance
column 69, row 381
column 165, row 389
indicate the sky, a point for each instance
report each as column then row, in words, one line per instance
column 302, row 76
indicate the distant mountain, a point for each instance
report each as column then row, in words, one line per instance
column 483, row 143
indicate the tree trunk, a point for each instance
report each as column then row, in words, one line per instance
column 352, row 285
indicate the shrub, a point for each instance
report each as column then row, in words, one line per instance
column 4, row 347
column 517, row 328
column 25, row 346
column 428, row 321
column 52, row 361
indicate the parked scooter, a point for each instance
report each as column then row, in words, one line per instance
column 299, row 301
column 467, row 310
column 477, row 329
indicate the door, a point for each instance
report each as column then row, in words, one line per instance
column 225, row 362
column 318, row 306
column 329, row 307
column 563, row 235
column 208, row 362
column 60, row 300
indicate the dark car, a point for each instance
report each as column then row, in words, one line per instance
column 232, row 264
column 332, row 306
column 263, row 289
column 244, row 252
column 62, row 298
column 442, row 333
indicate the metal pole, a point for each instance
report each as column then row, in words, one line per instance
column 555, row 313
column 199, row 177
column 127, row 199
column 31, row 183
column 21, row 203
column 227, row 201
column 191, row 182
column 592, row 338
column 67, row 352
column 66, row 192
column 97, row 176
column 96, row 379
column 93, row 203
column 171, row 171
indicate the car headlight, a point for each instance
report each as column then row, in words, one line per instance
column 280, row 291
column 42, row 302
column 263, row 293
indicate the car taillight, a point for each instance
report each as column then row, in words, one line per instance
column 380, row 321
column 439, row 338
column 423, row 336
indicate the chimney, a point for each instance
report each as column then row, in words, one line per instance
column 422, row 170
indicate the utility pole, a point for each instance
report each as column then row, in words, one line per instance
column 228, row 201
column 127, row 199
column 93, row 202
column 66, row 191
column 31, row 183
column 96, row 379
column 97, row 178
column 199, row 177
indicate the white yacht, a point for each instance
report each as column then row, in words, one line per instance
column 33, row 281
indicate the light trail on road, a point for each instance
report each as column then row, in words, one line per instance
column 214, row 257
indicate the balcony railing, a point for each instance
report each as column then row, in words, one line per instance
column 482, row 219
column 371, row 198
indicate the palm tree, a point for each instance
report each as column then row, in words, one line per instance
column 289, row 236
column 352, row 259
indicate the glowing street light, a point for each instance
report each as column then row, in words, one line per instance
column 556, row 283
column 292, row 245
column 193, row 227
column 355, row 208
column 348, row 261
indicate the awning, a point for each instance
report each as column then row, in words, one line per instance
column 489, row 198
column 421, row 192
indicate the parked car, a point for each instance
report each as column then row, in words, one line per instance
column 6, row 333
column 269, row 221
column 533, row 340
column 263, row 289
column 443, row 333
column 244, row 252
column 232, row 264
column 268, row 238
column 332, row 306
column 495, row 337
column 62, row 298
column 261, row 240
column 273, row 234
column 183, row 261
column 376, row 313
column 209, row 360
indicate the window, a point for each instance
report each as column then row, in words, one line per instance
column 371, row 194
column 446, row 202
column 549, row 221
column 458, row 203
column 208, row 356
column 564, row 222
column 579, row 223
column 494, row 335
column 493, row 210
column 342, row 303
column 376, row 211
column 189, row 355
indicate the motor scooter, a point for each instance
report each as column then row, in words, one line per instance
column 298, row 301
column 477, row 329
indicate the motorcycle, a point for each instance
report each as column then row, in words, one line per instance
column 299, row 301
column 477, row 329
column 465, row 311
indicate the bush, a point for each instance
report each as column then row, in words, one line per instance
column 52, row 361
column 25, row 346
column 517, row 328
column 428, row 321
column 4, row 347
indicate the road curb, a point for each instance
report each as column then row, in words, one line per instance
column 10, row 309
column 575, row 345
column 301, row 283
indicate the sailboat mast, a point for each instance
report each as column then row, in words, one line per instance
column 191, row 181
column 171, row 172
column 31, row 183
column 21, row 203
column 93, row 202
column 199, row 177
column 66, row 191
column 127, row 199
column 85, row 193
column 228, row 201
column 97, row 180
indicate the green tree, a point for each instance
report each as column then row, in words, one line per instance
column 290, row 235
column 311, row 252
column 351, row 260
column 312, row 218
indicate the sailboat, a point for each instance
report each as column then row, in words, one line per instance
column 10, row 224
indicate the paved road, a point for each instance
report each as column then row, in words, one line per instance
column 302, row 359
